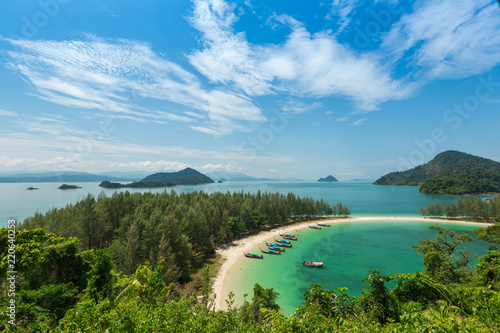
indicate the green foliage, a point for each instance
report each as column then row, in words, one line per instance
column 263, row 299
column 443, row 260
column 450, row 172
column 488, row 270
column 472, row 208
column 180, row 228
column 328, row 303
column 100, row 277
column 377, row 302
column 420, row 288
column 490, row 234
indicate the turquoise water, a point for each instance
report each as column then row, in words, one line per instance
column 349, row 251
column 361, row 198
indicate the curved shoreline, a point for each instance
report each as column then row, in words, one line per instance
column 232, row 252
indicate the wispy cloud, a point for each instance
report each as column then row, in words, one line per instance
column 106, row 75
column 296, row 106
column 357, row 173
column 4, row 113
column 461, row 43
column 343, row 10
column 359, row 122
column 303, row 65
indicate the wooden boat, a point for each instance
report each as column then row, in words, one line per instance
column 282, row 244
column 314, row 227
column 290, row 237
column 270, row 251
column 253, row 255
column 313, row 263
column 284, row 241
column 275, row 247
column 323, row 224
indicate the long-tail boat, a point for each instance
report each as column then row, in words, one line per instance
column 313, row 263
column 253, row 255
column 287, row 236
column 275, row 247
column 270, row 251
column 283, row 241
column 279, row 243
column 314, row 227
column 323, row 225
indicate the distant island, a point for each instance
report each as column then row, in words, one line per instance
column 68, row 187
column 58, row 177
column 328, row 179
column 450, row 172
column 31, row 188
column 187, row 176
column 238, row 176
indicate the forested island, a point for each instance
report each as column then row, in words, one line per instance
column 68, row 187
column 187, row 176
column 450, row 172
column 328, row 179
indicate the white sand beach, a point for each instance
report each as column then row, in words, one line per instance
column 232, row 252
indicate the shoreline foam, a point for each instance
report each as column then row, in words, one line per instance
column 232, row 252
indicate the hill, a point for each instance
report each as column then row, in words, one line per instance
column 450, row 172
column 238, row 176
column 328, row 179
column 187, row 176
column 56, row 177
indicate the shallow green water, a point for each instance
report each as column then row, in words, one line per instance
column 349, row 250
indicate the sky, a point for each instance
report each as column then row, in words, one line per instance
column 276, row 89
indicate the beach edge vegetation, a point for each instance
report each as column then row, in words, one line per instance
column 67, row 284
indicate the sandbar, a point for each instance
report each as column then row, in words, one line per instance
column 232, row 252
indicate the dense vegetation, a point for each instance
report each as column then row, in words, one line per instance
column 451, row 172
column 180, row 228
column 187, row 176
column 470, row 208
column 63, row 290
column 68, row 187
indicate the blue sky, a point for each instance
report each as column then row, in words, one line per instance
column 272, row 89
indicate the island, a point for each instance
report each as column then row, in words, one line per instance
column 68, row 187
column 31, row 188
column 328, row 179
column 450, row 172
column 187, row 176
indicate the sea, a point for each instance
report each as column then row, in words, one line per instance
column 349, row 250
column 362, row 198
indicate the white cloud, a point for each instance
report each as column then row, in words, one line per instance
column 343, row 9
column 227, row 57
column 55, row 163
column 160, row 165
column 359, row 122
column 342, row 119
column 108, row 75
column 296, row 106
column 304, row 65
column 357, row 173
column 4, row 113
column 446, row 39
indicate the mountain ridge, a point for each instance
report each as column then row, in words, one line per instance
column 450, row 172
column 187, row 176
